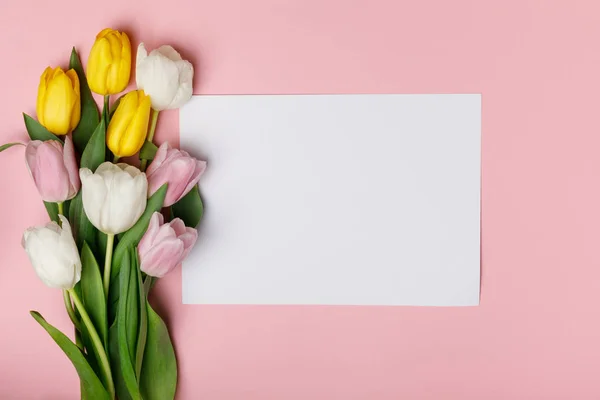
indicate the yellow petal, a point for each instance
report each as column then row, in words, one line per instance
column 104, row 32
column 58, row 104
column 119, row 122
column 98, row 64
column 133, row 140
column 76, row 106
column 41, row 97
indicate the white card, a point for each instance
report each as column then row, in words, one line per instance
column 336, row 199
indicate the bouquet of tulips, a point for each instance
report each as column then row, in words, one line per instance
column 115, row 227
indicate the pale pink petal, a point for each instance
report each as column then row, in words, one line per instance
column 30, row 155
column 189, row 240
column 147, row 241
column 71, row 166
column 165, row 232
column 159, row 158
column 50, row 174
column 198, row 171
column 178, row 226
column 162, row 258
column 177, row 174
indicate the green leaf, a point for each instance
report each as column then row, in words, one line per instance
column 9, row 145
column 36, row 131
column 148, row 151
column 133, row 307
column 52, row 209
column 83, row 230
column 143, row 332
column 127, row 279
column 95, row 151
column 90, row 383
column 159, row 370
column 89, row 109
column 115, row 364
column 93, row 292
column 132, row 237
column 190, row 208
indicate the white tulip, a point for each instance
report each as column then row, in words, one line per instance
column 53, row 254
column 114, row 197
column 164, row 76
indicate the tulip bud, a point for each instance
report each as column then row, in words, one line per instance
column 165, row 246
column 53, row 169
column 114, row 197
column 58, row 103
column 164, row 76
column 109, row 64
column 128, row 127
column 178, row 169
column 53, row 254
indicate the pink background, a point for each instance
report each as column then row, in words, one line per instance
column 537, row 63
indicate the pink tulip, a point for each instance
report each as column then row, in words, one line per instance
column 165, row 246
column 53, row 168
column 176, row 168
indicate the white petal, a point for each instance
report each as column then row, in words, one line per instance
column 107, row 168
column 169, row 52
column 158, row 76
column 93, row 192
column 185, row 89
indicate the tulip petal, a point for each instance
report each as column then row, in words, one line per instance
column 159, row 158
column 200, row 167
column 162, row 258
column 132, row 140
column 177, row 174
column 147, row 240
column 167, row 51
column 30, row 158
column 71, row 167
column 50, row 174
column 188, row 239
column 178, row 226
column 98, row 63
column 93, row 195
column 58, row 103
column 185, row 89
column 158, row 76
column 53, row 254
column 42, row 90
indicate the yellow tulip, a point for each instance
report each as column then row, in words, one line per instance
column 58, row 102
column 127, row 129
column 109, row 64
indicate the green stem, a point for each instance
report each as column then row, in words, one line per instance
column 106, row 110
column 78, row 340
column 96, row 342
column 153, row 121
column 110, row 240
column 60, row 208
column 148, row 284
column 116, row 159
column 70, row 311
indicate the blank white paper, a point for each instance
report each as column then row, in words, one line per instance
column 336, row 199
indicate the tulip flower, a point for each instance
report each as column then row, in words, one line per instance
column 178, row 169
column 165, row 246
column 164, row 76
column 114, row 197
column 53, row 254
column 109, row 64
column 53, row 168
column 58, row 102
column 128, row 126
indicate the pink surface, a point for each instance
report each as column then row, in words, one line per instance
column 536, row 334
